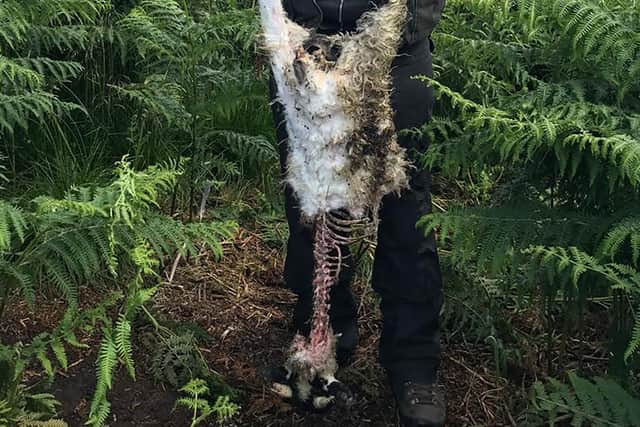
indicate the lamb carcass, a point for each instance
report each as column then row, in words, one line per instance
column 343, row 152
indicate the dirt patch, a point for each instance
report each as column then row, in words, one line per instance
column 242, row 305
column 133, row 403
column 245, row 311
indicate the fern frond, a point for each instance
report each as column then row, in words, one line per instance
column 225, row 408
column 15, row 278
column 575, row 263
column 598, row 402
column 105, row 366
column 490, row 236
column 59, row 277
column 627, row 231
column 634, row 341
column 15, row 77
column 256, row 151
column 598, row 33
column 53, row 71
column 158, row 96
column 176, row 360
column 622, row 151
column 17, row 110
column 122, row 341
column 99, row 413
column 196, row 387
column 156, row 27
column 58, row 349
column 106, row 363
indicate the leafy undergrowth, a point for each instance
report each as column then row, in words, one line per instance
column 238, row 312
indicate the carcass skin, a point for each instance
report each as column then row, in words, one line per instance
column 343, row 152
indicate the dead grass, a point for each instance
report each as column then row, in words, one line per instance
column 240, row 302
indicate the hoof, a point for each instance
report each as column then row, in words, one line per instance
column 283, row 390
column 321, row 403
column 323, row 394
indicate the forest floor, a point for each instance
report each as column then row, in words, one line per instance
column 241, row 304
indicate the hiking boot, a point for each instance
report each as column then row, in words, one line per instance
column 420, row 405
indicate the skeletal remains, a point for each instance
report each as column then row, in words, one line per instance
column 343, row 156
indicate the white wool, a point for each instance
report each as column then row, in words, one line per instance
column 280, row 34
column 316, row 121
column 343, row 152
column 324, row 109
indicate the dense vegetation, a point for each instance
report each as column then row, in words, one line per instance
column 158, row 90
column 539, row 125
column 136, row 131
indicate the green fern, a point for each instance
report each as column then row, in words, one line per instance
column 182, row 81
column 21, row 405
column 5, row 409
column 61, row 355
column 627, row 231
column 190, row 62
column 634, row 342
column 70, row 241
column 492, row 238
column 105, row 366
column 28, row 81
column 601, row 33
column 600, row 402
column 572, row 264
column 521, row 136
column 122, row 341
column 254, row 151
column 13, row 224
column 541, row 95
column 176, row 360
column 196, row 391
column 160, row 97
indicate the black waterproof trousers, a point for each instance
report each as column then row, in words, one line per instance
column 406, row 272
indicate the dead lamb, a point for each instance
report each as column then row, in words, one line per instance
column 343, row 154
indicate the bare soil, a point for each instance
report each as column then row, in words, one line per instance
column 240, row 302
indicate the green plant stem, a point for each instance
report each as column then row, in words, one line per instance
column 5, row 298
column 194, row 419
column 549, row 333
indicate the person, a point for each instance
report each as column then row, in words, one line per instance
column 406, row 270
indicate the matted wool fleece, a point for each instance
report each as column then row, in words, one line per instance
column 343, row 156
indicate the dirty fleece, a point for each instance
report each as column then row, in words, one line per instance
column 343, row 152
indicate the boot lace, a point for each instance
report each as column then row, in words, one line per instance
column 421, row 394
